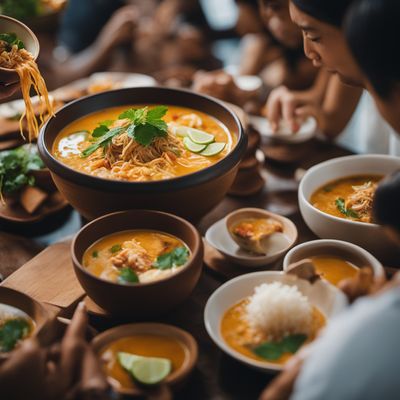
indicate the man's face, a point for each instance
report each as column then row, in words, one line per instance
column 275, row 16
column 325, row 45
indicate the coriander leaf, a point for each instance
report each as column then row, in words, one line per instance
column 102, row 142
column 137, row 116
column 156, row 113
column 340, row 204
column 292, row 343
column 176, row 257
column 127, row 275
column 11, row 332
column 95, row 254
column 115, row 248
column 145, row 134
column 101, row 130
column 131, row 131
column 164, row 261
column 159, row 124
column 11, row 40
column 269, row 351
column 107, row 122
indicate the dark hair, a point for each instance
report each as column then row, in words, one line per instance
column 329, row 11
column 372, row 29
column 386, row 202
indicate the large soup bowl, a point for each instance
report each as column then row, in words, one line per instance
column 190, row 196
column 367, row 235
column 142, row 299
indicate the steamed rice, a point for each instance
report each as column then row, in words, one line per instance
column 277, row 310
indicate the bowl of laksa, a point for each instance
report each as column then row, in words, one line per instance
column 263, row 318
column 149, row 147
column 137, row 358
column 334, row 260
column 138, row 262
column 336, row 199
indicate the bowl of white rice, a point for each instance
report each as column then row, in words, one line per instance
column 257, row 318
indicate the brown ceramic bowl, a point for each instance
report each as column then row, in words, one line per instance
column 173, row 381
column 190, row 196
column 143, row 299
column 11, row 25
column 26, row 304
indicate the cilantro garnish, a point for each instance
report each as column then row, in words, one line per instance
column 11, row 39
column 127, row 275
column 348, row 212
column 174, row 258
column 143, row 126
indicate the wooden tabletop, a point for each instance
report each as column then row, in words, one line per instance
column 217, row 376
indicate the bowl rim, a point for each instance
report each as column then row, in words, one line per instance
column 333, row 161
column 265, row 366
column 30, row 32
column 192, row 179
column 186, row 339
column 254, row 257
column 377, row 268
column 197, row 247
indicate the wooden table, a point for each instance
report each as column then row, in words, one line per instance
column 217, row 376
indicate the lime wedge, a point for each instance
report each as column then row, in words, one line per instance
column 192, row 146
column 213, row 149
column 127, row 359
column 150, row 370
column 200, row 137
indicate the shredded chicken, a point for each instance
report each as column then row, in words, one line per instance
column 134, row 256
column 254, row 230
column 361, row 200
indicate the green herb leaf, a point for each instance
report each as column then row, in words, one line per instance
column 102, row 142
column 95, row 254
column 101, row 130
column 127, row 275
column 13, row 331
column 115, row 248
column 137, row 116
column 107, row 122
column 274, row 350
column 145, row 134
column 340, row 204
column 11, row 40
column 131, row 131
column 156, row 113
column 176, row 257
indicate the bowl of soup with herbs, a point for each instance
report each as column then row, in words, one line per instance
column 138, row 262
column 334, row 260
column 142, row 356
column 336, row 201
column 115, row 150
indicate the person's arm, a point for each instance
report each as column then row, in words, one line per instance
column 282, row 103
column 337, row 109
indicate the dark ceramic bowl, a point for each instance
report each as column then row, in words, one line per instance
column 26, row 304
column 11, row 25
column 174, row 381
column 190, row 196
column 143, row 299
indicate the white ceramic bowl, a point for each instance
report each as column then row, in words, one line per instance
column 336, row 248
column 329, row 300
column 219, row 238
column 367, row 235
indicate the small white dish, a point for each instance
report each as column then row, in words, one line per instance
column 306, row 132
column 122, row 79
column 219, row 238
column 327, row 298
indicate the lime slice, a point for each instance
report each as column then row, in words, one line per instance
column 213, row 149
column 192, row 146
column 200, row 137
column 127, row 359
column 150, row 370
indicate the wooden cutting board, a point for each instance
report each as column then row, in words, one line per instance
column 49, row 277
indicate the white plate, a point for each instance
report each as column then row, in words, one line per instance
column 218, row 237
column 327, row 298
column 122, row 79
column 307, row 130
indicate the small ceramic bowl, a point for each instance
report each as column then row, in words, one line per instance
column 143, row 299
column 173, row 381
column 26, row 304
column 307, row 131
column 11, row 25
column 328, row 299
column 367, row 235
column 336, row 248
column 219, row 237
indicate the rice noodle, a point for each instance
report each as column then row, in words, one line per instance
column 29, row 75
